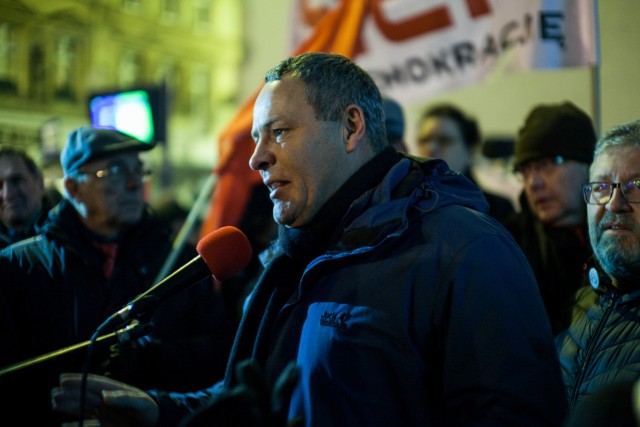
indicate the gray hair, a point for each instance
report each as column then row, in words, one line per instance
column 624, row 135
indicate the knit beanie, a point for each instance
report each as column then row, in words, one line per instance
column 555, row 130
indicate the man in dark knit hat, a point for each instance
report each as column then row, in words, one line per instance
column 553, row 152
column 99, row 249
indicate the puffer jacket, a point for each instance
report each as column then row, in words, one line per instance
column 601, row 347
column 53, row 294
column 423, row 312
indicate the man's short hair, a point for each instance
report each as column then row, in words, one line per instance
column 624, row 135
column 332, row 82
column 11, row 151
column 467, row 125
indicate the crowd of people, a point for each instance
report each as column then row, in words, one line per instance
column 394, row 292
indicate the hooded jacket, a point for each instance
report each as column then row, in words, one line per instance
column 423, row 311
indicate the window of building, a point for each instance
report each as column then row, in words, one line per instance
column 167, row 73
column 65, row 66
column 199, row 91
column 170, row 11
column 130, row 69
column 202, row 15
column 132, row 5
column 8, row 66
column 37, row 73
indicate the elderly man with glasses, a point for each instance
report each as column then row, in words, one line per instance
column 99, row 249
column 553, row 151
column 600, row 351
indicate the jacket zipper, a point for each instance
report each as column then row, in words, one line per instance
column 590, row 350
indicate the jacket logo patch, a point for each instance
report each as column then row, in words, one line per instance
column 335, row 320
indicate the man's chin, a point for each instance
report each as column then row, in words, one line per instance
column 553, row 218
column 283, row 218
column 130, row 219
column 548, row 219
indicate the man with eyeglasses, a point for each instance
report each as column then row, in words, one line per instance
column 446, row 132
column 99, row 249
column 600, row 351
column 389, row 298
column 553, row 151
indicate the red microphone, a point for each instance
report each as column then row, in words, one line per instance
column 225, row 251
column 222, row 253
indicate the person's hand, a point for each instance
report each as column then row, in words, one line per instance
column 112, row 403
column 131, row 361
column 250, row 403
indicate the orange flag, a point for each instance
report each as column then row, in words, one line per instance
column 337, row 32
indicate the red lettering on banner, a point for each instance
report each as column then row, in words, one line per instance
column 478, row 7
column 436, row 18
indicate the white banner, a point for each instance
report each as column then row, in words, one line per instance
column 417, row 48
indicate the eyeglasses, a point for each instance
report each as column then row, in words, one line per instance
column 543, row 165
column 118, row 174
column 600, row 193
column 441, row 141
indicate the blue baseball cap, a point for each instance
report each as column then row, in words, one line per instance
column 87, row 144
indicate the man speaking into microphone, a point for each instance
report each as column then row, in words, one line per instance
column 391, row 298
column 100, row 248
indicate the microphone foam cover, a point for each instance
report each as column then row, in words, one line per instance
column 226, row 251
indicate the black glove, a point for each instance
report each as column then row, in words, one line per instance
column 130, row 361
column 250, row 403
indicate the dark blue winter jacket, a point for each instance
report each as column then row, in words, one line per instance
column 423, row 312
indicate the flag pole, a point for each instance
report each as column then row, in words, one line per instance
column 191, row 220
column 596, row 89
column 595, row 98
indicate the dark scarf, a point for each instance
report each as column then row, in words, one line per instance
column 298, row 246
column 64, row 223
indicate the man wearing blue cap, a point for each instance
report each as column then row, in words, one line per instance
column 99, row 249
column 105, row 162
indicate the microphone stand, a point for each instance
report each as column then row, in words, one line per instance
column 131, row 331
column 181, row 238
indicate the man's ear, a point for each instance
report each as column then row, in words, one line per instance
column 354, row 126
column 71, row 186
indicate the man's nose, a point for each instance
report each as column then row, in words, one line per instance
column 618, row 203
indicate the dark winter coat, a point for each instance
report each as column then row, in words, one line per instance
column 558, row 257
column 601, row 348
column 422, row 311
column 54, row 294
